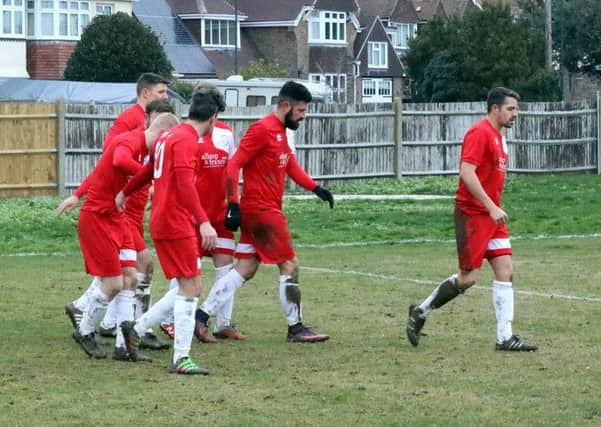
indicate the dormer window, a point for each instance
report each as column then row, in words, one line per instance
column 327, row 27
column 219, row 33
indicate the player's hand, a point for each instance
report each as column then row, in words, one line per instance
column 324, row 195
column 120, row 201
column 67, row 204
column 208, row 236
column 233, row 216
column 498, row 215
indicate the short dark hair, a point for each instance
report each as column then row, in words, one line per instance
column 212, row 90
column 202, row 107
column 160, row 106
column 294, row 92
column 148, row 81
column 497, row 95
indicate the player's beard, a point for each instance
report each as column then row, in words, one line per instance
column 289, row 123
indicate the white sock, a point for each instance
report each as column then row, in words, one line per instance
column 110, row 316
column 124, row 310
column 159, row 311
column 224, row 313
column 94, row 311
column 502, row 297
column 82, row 302
column 292, row 311
column 222, row 290
column 183, row 313
column 173, row 284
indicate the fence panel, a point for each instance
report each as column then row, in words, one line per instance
column 547, row 137
column 28, row 134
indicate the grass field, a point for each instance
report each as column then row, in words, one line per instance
column 367, row 374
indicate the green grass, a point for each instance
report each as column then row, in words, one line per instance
column 367, row 374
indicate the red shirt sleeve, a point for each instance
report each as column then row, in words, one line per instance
column 187, row 194
column 140, row 179
column 250, row 144
column 474, row 147
column 123, row 160
column 299, row 175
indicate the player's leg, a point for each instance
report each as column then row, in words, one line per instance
column 74, row 310
column 224, row 328
column 143, row 302
column 166, row 324
column 290, row 300
column 499, row 257
column 472, row 235
column 223, row 290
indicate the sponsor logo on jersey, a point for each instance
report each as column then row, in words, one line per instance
column 284, row 159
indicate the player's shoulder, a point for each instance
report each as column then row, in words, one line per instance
column 480, row 130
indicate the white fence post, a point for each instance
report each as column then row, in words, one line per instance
column 598, row 132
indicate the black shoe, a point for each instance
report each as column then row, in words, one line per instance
column 152, row 342
column 74, row 314
column 107, row 332
column 89, row 345
column 302, row 333
column 515, row 343
column 131, row 337
column 414, row 324
column 121, row 354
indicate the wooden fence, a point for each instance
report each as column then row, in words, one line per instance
column 47, row 149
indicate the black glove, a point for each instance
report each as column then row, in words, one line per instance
column 324, row 195
column 232, row 216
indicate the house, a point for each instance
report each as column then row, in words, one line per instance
column 379, row 67
column 38, row 36
column 398, row 17
column 182, row 49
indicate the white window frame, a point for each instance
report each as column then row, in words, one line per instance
column 400, row 34
column 376, row 87
column 103, row 9
column 68, row 18
column 326, row 26
column 209, row 23
column 336, row 81
column 377, row 54
column 12, row 14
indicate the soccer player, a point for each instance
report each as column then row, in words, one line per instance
column 215, row 150
column 481, row 223
column 151, row 100
column 266, row 159
column 105, row 237
column 175, row 217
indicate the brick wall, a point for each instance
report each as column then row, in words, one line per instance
column 583, row 86
column 48, row 59
column 276, row 44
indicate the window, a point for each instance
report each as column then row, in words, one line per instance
column 59, row 19
column 254, row 100
column 369, row 87
column 327, row 27
column 219, row 33
column 377, row 55
column 385, row 87
column 12, row 17
column 377, row 90
column 104, row 9
column 401, row 34
column 336, row 81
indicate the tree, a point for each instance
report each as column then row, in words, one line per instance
column 116, row 48
column 264, row 68
column 460, row 59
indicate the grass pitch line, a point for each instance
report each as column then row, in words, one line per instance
column 434, row 283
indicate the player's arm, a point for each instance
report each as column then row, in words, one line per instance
column 467, row 174
column 302, row 178
column 123, row 160
column 139, row 180
column 70, row 202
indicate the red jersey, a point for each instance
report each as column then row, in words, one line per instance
column 214, row 151
column 128, row 120
column 484, row 146
column 176, row 148
column 266, row 159
column 116, row 164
